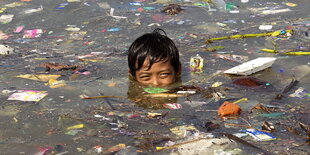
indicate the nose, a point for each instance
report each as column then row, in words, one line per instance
column 155, row 82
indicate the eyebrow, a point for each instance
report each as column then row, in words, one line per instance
column 163, row 70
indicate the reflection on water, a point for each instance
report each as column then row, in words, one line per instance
column 137, row 94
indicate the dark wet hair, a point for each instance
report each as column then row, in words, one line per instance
column 155, row 46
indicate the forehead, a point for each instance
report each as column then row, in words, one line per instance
column 160, row 65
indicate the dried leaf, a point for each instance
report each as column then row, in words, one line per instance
column 39, row 77
column 57, row 66
column 112, row 84
column 305, row 127
column 211, row 126
column 55, row 84
column 292, row 130
column 153, row 115
column 113, row 149
column 249, row 82
column 268, row 126
column 260, row 107
column 172, row 9
column 287, row 89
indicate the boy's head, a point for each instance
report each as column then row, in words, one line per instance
column 153, row 59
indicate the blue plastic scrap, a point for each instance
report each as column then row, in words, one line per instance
column 61, row 6
column 113, row 29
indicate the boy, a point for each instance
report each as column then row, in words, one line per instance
column 153, row 60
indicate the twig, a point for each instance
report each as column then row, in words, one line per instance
column 94, row 97
column 246, row 127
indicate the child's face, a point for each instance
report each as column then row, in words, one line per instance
column 160, row 74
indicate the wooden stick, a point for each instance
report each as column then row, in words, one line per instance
column 163, row 95
column 246, row 127
column 246, row 36
column 177, row 145
column 94, row 97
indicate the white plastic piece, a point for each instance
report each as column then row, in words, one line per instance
column 265, row 27
column 252, row 66
column 6, row 50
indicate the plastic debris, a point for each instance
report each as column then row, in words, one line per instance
column 77, row 35
column 18, row 29
column 248, row 81
column 34, row 10
column 2, row 10
column 57, row 66
column 260, row 135
column 186, row 92
column 270, row 12
column 73, row 132
column 114, row 149
column 268, row 126
column 39, row 77
column 114, row 29
column 184, row 131
column 210, row 126
column 3, row 36
column 229, row 109
column 117, row 17
column 252, row 66
column 95, row 150
column 72, row 28
column 291, row 4
column 61, row 6
column 220, row 4
column 232, row 57
column 216, row 84
column 239, row 140
column 28, row 95
column 78, row 126
column 6, row 50
column 172, row 9
column 153, row 115
column 265, row 27
column 153, row 90
column 297, row 53
column 4, row 19
column 42, row 151
column 214, row 48
column 14, row 4
column 292, row 84
column 35, row 33
column 196, row 64
column 275, row 33
column 172, row 106
column 136, row 3
column 55, row 84
column 245, row 1
column 300, row 93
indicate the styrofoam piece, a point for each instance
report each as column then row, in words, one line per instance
column 252, row 66
column 6, row 50
column 265, row 27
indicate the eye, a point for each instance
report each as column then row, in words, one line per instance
column 145, row 77
column 164, row 75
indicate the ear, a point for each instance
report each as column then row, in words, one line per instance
column 178, row 73
column 130, row 76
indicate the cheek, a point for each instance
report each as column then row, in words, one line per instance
column 169, row 80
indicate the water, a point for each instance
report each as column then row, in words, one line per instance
column 25, row 126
